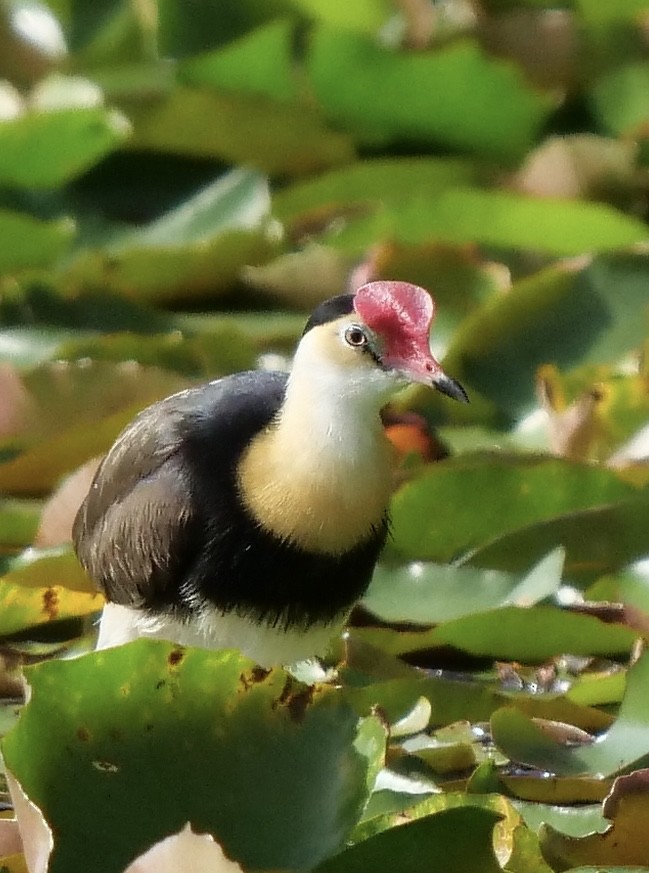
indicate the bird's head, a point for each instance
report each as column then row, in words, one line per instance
column 377, row 340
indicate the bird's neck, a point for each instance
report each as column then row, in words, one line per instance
column 320, row 475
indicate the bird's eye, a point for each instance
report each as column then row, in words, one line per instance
column 355, row 336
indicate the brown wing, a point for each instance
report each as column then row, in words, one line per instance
column 134, row 525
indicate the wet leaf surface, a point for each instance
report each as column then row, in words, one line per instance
column 253, row 734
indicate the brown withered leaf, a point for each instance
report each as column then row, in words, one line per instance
column 626, row 841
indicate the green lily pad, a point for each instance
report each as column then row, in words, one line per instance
column 26, row 242
column 457, row 841
column 370, row 182
column 276, row 137
column 490, row 496
column 433, row 593
column 47, row 149
column 498, row 218
column 566, row 315
column 619, row 98
column 195, row 249
column 258, row 63
column 155, row 736
column 624, row 746
column 599, row 540
column 573, row 820
column 484, row 106
column 39, row 468
column 18, row 522
column 366, row 16
column 83, row 392
column 41, row 587
column 454, row 700
column 625, row 841
column 511, row 633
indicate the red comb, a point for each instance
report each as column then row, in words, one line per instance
column 396, row 309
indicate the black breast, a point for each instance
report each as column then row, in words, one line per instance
column 163, row 528
column 236, row 564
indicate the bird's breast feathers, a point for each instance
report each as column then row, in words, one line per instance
column 320, row 502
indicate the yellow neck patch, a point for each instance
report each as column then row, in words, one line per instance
column 321, row 504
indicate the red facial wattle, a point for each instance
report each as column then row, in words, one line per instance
column 401, row 315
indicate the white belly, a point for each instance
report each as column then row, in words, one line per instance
column 267, row 646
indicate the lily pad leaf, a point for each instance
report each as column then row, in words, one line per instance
column 625, row 745
column 599, row 540
column 260, row 62
column 150, row 720
column 370, row 182
column 432, row 593
column 43, row 587
column 491, row 495
column 569, row 315
column 625, row 842
column 26, row 242
column 485, row 105
column 46, row 149
column 498, row 218
column 275, row 137
column 457, row 841
column 511, row 633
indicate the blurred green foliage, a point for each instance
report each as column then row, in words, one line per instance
column 180, row 183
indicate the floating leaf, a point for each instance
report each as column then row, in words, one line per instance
column 514, row 491
column 454, row 700
column 26, row 242
column 44, row 587
column 484, row 105
column 366, row 16
column 251, row 736
column 625, row 841
column 599, row 540
column 258, row 63
column 499, row 218
column 46, row 149
column 83, row 392
column 432, row 593
column 18, row 522
column 457, row 840
column 276, row 137
column 511, row 633
column 626, row 743
column 370, row 182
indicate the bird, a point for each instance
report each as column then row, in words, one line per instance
column 249, row 512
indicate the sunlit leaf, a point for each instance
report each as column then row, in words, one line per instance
column 365, row 16
column 454, row 700
column 485, row 106
column 27, row 242
column 18, row 522
column 82, row 392
column 432, row 593
column 569, row 315
column 464, row 502
column 275, row 137
column 599, row 540
column 370, row 181
column 626, row 743
column 511, row 633
column 502, row 219
column 459, row 840
column 48, row 148
column 624, row 842
column 259, row 63
column 44, row 587
column 253, row 736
